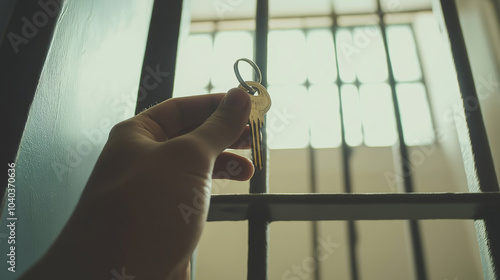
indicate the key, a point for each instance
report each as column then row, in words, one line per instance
column 261, row 102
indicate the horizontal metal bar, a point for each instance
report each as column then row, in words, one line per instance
column 379, row 206
column 371, row 13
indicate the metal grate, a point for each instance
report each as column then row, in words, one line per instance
column 261, row 208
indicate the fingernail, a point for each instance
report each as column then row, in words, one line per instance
column 235, row 98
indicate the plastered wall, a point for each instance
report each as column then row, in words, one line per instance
column 89, row 82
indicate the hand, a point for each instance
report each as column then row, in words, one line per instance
column 146, row 202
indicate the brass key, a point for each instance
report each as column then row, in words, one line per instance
column 261, row 102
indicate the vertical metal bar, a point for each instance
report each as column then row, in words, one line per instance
column 168, row 20
column 260, row 181
column 258, row 248
column 346, row 165
column 406, row 171
column 314, row 224
column 346, row 158
column 258, row 225
column 315, row 233
column 482, row 160
column 314, row 188
column 478, row 161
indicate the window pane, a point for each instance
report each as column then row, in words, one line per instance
column 321, row 65
column 325, row 118
column 230, row 46
column 403, row 53
column 369, row 54
column 194, row 65
column 415, row 115
column 287, row 57
column 287, row 120
column 344, row 55
column 379, row 124
column 352, row 115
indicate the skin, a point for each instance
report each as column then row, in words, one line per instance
column 128, row 216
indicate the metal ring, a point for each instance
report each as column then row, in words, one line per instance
column 240, row 79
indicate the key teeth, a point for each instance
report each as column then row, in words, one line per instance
column 256, row 143
column 260, row 106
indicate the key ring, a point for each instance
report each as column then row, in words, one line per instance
column 240, row 79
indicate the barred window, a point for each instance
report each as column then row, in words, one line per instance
column 303, row 79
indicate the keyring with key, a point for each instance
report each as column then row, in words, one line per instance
column 261, row 103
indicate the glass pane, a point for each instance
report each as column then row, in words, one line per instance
column 344, row 55
column 228, row 47
column 352, row 115
column 404, row 59
column 368, row 53
column 321, row 66
column 379, row 125
column 325, row 118
column 288, row 120
column 415, row 114
column 287, row 57
column 194, row 65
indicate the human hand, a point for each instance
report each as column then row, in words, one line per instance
column 130, row 215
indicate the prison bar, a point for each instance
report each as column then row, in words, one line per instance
column 268, row 208
column 168, row 22
column 346, row 157
column 378, row 206
column 476, row 153
column 313, row 186
column 258, row 226
column 261, row 208
column 402, row 159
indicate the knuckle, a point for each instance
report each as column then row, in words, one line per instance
column 121, row 127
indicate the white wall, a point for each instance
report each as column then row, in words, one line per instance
column 89, row 82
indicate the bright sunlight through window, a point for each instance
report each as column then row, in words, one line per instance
column 302, row 81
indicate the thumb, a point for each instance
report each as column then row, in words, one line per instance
column 227, row 123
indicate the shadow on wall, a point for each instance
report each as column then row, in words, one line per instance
column 6, row 8
column 88, row 83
